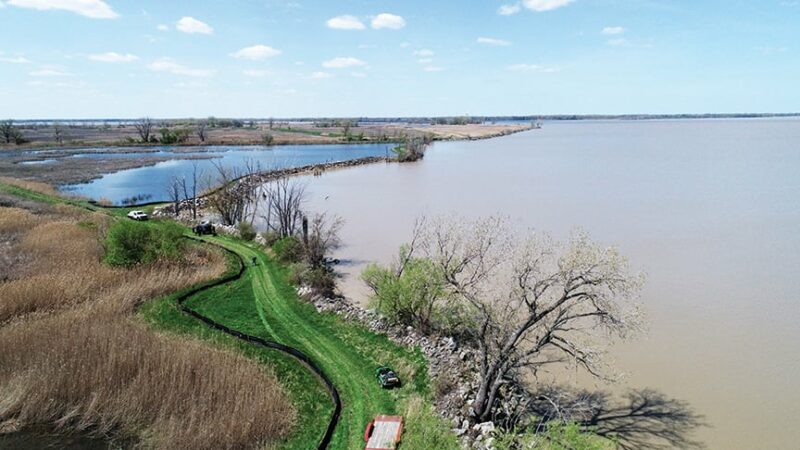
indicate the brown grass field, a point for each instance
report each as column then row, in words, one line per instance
column 74, row 356
column 282, row 133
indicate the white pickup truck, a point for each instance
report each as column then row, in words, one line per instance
column 137, row 215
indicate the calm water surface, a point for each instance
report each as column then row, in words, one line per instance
column 709, row 209
column 152, row 181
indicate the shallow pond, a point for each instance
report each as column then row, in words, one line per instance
column 152, row 181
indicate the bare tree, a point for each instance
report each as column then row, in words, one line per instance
column 201, row 130
column 271, row 123
column 144, row 127
column 534, row 302
column 174, row 191
column 321, row 238
column 190, row 191
column 236, row 195
column 285, row 198
column 58, row 133
column 7, row 130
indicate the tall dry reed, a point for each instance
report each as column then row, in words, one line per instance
column 105, row 374
column 35, row 186
column 73, row 355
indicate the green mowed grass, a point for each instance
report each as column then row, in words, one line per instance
column 347, row 352
column 306, row 392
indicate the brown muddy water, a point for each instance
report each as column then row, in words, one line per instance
column 710, row 210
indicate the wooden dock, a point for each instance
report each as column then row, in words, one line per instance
column 383, row 433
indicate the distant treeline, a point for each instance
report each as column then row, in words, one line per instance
column 437, row 120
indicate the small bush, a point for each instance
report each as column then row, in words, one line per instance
column 556, row 436
column 288, row 249
column 130, row 243
column 270, row 238
column 321, row 280
column 246, row 231
column 424, row 429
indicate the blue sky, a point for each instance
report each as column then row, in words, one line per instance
column 249, row 58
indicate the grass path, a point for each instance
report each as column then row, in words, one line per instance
column 346, row 352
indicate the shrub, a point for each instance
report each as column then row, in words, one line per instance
column 424, row 429
column 556, row 436
column 167, row 137
column 321, row 280
column 270, row 238
column 417, row 297
column 130, row 243
column 288, row 249
column 246, row 231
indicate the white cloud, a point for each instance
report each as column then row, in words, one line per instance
column 191, row 25
column 405, row 44
column 424, row 53
column 95, row 9
column 2, row 5
column 113, row 57
column 163, row 27
column 545, row 5
column 613, row 30
column 425, row 60
column 433, row 69
column 170, row 66
column 190, row 84
column 532, row 68
column 255, row 73
column 386, row 20
column 764, row 50
column 256, row 52
column 343, row 62
column 493, row 42
column 14, row 60
column 507, row 10
column 57, row 84
column 618, row 42
column 320, row 75
column 345, row 22
column 50, row 72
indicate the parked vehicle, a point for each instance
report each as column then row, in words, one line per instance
column 383, row 433
column 204, row 228
column 387, row 378
column 137, row 215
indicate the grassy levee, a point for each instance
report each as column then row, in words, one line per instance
column 347, row 352
column 264, row 304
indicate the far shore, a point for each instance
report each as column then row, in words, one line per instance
column 38, row 137
column 56, row 166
